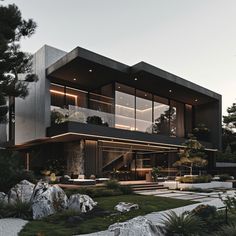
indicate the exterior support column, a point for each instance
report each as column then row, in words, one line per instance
column 75, row 154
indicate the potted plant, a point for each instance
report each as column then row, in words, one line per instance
column 201, row 132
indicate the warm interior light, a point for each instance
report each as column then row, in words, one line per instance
column 74, row 79
column 196, row 100
column 135, row 78
column 90, row 70
column 170, row 91
column 61, row 93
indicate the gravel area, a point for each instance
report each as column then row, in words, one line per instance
column 11, row 226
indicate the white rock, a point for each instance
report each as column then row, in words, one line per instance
column 21, row 192
column 126, row 206
column 3, row 197
column 47, row 200
column 138, row 226
column 81, row 203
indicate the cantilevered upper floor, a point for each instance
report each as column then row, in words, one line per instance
column 89, row 89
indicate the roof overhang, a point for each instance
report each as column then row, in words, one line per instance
column 92, row 70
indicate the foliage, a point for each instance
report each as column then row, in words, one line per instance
column 229, row 230
column 96, row 120
column 163, row 123
column 192, row 156
column 201, row 132
column 12, row 170
column 204, row 211
column 227, row 155
column 195, row 179
column 155, row 172
column 230, row 119
column 56, row 117
column 185, row 224
column 225, row 177
column 54, row 225
column 19, row 209
column 112, row 184
column 12, row 60
column 126, row 189
column 229, row 202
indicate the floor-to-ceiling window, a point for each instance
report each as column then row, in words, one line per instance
column 161, row 111
column 124, row 107
column 143, row 111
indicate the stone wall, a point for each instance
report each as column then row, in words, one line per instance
column 75, row 154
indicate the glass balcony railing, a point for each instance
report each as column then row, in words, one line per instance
column 85, row 115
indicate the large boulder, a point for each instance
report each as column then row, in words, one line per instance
column 81, row 203
column 21, row 192
column 47, row 200
column 126, row 206
column 138, row 226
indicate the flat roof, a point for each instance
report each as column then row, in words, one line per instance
column 78, row 62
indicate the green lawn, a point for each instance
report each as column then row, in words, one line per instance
column 57, row 225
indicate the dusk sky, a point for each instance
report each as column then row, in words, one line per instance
column 194, row 39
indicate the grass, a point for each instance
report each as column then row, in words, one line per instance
column 57, row 224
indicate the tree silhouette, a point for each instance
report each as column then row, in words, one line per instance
column 165, row 123
column 12, row 60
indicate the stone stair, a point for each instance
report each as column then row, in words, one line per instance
column 147, row 186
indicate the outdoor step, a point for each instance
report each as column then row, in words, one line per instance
column 145, row 185
column 148, row 188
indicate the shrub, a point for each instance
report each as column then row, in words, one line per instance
column 204, row 211
column 225, row 177
column 126, row 189
column 227, row 230
column 185, row 224
column 19, row 209
column 196, row 179
column 112, row 184
column 12, row 170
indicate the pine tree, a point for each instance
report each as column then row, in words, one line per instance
column 230, row 119
column 229, row 130
column 12, row 60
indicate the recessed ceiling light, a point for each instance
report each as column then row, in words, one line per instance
column 170, row 91
column 145, row 95
column 135, row 78
column 118, row 87
column 90, row 70
column 74, row 79
column 196, row 100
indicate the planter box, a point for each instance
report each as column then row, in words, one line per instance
column 213, row 184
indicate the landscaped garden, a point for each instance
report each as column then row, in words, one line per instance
column 101, row 217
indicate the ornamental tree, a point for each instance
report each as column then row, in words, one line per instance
column 192, row 156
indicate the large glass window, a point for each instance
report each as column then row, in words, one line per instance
column 161, row 111
column 75, row 97
column 143, row 111
column 62, row 96
column 101, row 99
column 124, row 107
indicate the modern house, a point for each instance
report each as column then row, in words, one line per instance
column 97, row 116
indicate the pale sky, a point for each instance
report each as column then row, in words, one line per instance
column 194, row 39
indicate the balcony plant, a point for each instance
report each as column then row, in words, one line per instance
column 201, row 132
column 57, row 117
column 96, row 120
